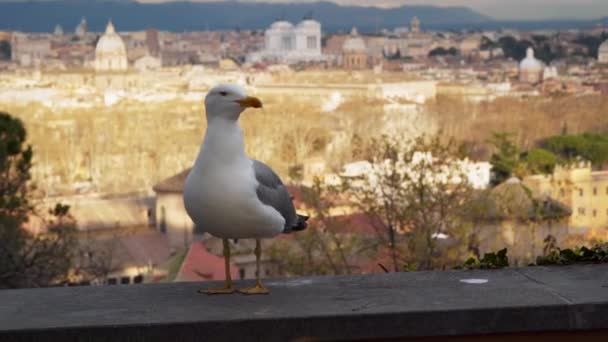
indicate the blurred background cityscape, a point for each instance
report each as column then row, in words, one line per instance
column 427, row 135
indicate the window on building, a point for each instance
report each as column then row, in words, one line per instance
column 594, row 213
column 311, row 42
column 163, row 220
column 286, row 42
column 581, row 211
column 580, row 192
column 594, row 191
column 242, row 273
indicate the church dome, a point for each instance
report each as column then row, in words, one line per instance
column 110, row 43
column 110, row 52
column 354, row 43
column 530, row 63
column 309, row 24
column 281, row 25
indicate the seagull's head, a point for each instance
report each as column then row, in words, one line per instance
column 229, row 101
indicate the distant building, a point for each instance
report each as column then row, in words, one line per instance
column 602, row 55
column 147, row 63
column 110, row 52
column 29, row 51
column 82, row 28
column 415, row 25
column 354, row 52
column 550, row 73
column 285, row 43
column 580, row 188
column 152, row 42
column 530, row 68
column 171, row 217
column 58, row 30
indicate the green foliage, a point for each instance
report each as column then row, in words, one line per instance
column 591, row 43
column 5, row 50
column 494, row 260
column 28, row 260
column 539, row 160
column 516, row 49
column 444, row 52
column 595, row 254
column 513, row 48
column 509, row 160
column 589, row 146
column 506, row 158
column 488, row 44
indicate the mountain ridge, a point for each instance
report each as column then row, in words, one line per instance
column 129, row 15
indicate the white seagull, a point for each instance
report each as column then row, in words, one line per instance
column 231, row 196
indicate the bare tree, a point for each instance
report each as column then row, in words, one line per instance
column 325, row 247
column 413, row 193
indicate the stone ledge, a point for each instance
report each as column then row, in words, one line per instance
column 380, row 306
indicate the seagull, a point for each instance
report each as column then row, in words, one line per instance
column 231, row 196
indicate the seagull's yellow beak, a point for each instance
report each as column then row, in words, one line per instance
column 250, row 101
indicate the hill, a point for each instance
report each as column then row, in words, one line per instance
column 42, row 16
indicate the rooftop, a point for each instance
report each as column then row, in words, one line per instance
column 509, row 302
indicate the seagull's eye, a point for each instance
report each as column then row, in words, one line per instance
column 223, row 93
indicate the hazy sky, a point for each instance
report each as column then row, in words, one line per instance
column 500, row 9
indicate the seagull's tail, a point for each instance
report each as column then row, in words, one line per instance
column 300, row 224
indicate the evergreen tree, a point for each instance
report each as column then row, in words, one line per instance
column 27, row 259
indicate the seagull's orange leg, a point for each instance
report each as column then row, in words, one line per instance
column 228, row 287
column 258, row 288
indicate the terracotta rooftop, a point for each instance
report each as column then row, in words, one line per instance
column 200, row 265
column 173, row 184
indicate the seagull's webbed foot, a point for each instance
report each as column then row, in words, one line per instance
column 258, row 288
column 220, row 290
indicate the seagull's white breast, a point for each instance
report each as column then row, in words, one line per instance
column 220, row 194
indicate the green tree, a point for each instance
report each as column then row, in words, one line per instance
column 513, row 48
column 26, row 259
column 539, row 160
column 505, row 160
column 443, row 52
column 5, row 50
column 591, row 43
column 589, row 146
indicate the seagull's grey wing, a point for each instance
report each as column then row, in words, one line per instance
column 272, row 192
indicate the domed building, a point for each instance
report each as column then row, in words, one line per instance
column 110, row 53
column 602, row 55
column 530, row 68
column 280, row 36
column 415, row 25
column 308, row 37
column 354, row 52
column 58, row 30
column 82, row 28
column 286, row 43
